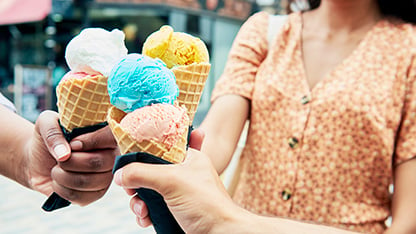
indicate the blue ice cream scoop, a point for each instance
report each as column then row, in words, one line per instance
column 137, row 81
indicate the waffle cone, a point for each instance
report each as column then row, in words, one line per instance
column 128, row 145
column 191, row 81
column 82, row 102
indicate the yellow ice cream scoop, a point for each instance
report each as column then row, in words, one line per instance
column 175, row 48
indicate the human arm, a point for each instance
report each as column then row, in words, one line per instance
column 198, row 200
column 403, row 203
column 222, row 127
column 27, row 155
column 15, row 136
column 233, row 92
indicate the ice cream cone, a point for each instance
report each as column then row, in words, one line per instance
column 82, row 102
column 191, row 81
column 128, row 145
column 177, row 153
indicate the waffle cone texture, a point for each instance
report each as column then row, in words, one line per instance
column 127, row 144
column 83, row 102
column 191, row 81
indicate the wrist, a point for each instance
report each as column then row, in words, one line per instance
column 16, row 135
column 235, row 220
column 21, row 170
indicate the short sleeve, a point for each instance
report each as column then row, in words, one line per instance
column 406, row 139
column 5, row 102
column 246, row 55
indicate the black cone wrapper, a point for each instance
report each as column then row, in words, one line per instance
column 54, row 201
column 162, row 219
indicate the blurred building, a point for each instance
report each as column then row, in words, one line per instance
column 33, row 36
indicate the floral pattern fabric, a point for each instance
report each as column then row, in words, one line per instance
column 324, row 155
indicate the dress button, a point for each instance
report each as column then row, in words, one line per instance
column 286, row 194
column 293, row 142
column 305, row 100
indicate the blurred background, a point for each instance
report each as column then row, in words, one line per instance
column 33, row 37
column 34, row 34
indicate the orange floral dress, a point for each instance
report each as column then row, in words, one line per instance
column 323, row 155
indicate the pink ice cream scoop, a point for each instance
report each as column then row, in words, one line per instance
column 163, row 123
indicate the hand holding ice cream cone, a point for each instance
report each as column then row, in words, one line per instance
column 83, row 99
column 146, row 124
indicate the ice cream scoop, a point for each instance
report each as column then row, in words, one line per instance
column 159, row 133
column 137, row 81
column 95, row 50
column 163, row 123
column 175, row 48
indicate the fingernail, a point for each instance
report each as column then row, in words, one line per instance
column 76, row 145
column 137, row 210
column 117, row 176
column 61, row 151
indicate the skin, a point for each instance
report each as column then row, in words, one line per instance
column 215, row 212
column 202, row 204
column 335, row 28
column 38, row 157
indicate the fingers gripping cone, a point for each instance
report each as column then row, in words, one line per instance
column 127, row 144
column 83, row 99
column 82, row 107
column 83, row 102
column 191, row 81
column 150, row 150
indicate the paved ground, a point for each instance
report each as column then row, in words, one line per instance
column 20, row 212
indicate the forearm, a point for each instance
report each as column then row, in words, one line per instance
column 403, row 206
column 246, row 222
column 218, row 149
column 222, row 127
column 14, row 138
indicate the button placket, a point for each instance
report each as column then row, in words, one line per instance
column 294, row 143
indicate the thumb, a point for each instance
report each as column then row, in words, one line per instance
column 48, row 128
column 196, row 139
column 137, row 175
